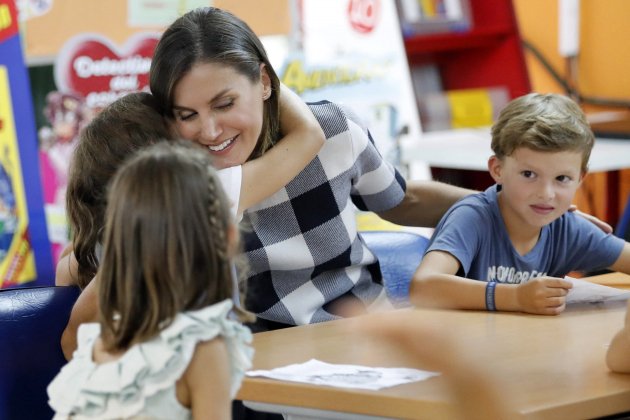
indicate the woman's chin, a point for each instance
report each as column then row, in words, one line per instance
column 223, row 162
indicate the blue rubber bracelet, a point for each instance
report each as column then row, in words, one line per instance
column 490, row 296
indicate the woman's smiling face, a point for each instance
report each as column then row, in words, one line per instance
column 218, row 107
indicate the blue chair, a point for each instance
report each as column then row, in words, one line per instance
column 623, row 226
column 31, row 322
column 399, row 254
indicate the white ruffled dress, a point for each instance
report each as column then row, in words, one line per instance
column 141, row 383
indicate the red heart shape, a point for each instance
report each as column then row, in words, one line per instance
column 90, row 65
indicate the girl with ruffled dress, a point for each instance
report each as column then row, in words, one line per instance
column 169, row 344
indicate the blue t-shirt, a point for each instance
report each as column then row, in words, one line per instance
column 473, row 231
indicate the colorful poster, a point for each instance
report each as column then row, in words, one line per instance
column 95, row 68
column 90, row 72
column 24, row 247
column 352, row 52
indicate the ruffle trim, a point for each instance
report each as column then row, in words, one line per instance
column 120, row 388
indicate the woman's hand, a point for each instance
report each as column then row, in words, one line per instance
column 594, row 220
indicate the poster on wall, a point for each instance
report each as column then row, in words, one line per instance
column 352, row 52
column 90, row 72
column 24, row 247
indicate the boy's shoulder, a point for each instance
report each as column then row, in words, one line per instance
column 473, row 211
column 574, row 223
column 482, row 202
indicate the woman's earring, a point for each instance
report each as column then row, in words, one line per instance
column 266, row 94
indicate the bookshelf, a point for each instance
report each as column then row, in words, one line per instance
column 489, row 54
column 486, row 55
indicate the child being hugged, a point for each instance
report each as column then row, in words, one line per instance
column 167, row 345
column 133, row 122
column 509, row 247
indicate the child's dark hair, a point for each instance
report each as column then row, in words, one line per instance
column 167, row 243
column 543, row 122
column 116, row 133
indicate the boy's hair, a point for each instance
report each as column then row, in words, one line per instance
column 166, row 247
column 126, row 125
column 543, row 122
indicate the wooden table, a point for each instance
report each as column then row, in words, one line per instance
column 618, row 280
column 552, row 366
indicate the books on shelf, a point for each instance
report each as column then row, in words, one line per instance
column 434, row 16
column 462, row 108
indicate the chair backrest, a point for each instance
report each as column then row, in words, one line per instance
column 399, row 254
column 623, row 226
column 31, row 323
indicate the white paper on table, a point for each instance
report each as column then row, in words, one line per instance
column 587, row 292
column 344, row 376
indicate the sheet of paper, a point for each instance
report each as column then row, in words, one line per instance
column 587, row 292
column 316, row 372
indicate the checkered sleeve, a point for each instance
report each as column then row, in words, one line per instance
column 304, row 253
column 377, row 185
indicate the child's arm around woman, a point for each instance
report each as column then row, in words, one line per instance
column 303, row 139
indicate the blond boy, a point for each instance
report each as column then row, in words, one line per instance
column 509, row 247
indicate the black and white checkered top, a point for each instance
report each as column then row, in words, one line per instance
column 302, row 243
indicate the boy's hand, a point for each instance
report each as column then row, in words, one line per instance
column 543, row 295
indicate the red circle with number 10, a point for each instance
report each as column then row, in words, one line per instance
column 364, row 14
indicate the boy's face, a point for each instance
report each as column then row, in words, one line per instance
column 537, row 187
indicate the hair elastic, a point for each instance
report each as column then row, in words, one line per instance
column 490, row 296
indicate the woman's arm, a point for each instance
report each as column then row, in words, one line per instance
column 85, row 309
column 205, row 385
column 435, row 284
column 303, row 138
column 425, row 203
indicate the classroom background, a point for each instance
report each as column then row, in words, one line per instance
column 416, row 69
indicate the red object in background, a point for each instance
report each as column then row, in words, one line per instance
column 489, row 54
column 364, row 14
column 91, row 66
column 8, row 19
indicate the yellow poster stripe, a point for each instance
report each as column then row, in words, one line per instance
column 18, row 264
